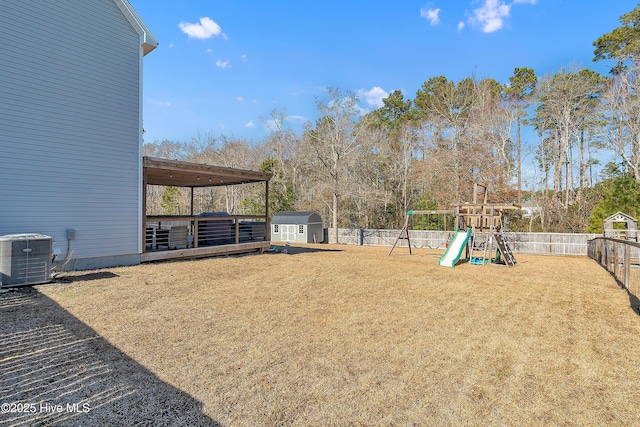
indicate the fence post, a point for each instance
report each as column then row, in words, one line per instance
column 619, row 264
column 627, row 266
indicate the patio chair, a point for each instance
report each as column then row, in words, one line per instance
column 178, row 236
column 148, row 239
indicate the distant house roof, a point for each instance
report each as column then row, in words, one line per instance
column 296, row 218
column 147, row 39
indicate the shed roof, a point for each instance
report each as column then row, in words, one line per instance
column 620, row 217
column 296, row 218
column 185, row 174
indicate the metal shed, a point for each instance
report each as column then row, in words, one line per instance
column 297, row 227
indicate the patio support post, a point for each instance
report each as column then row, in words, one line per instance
column 191, row 201
column 193, row 231
column 266, row 211
column 144, row 210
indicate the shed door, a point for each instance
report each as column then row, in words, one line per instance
column 288, row 233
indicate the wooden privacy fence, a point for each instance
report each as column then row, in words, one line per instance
column 621, row 258
column 524, row 243
column 549, row 243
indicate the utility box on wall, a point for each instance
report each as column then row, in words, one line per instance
column 25, row 259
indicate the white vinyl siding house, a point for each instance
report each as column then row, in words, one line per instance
column 71, row 124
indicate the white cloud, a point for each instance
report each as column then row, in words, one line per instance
column 431, row 15
column 223, row 64
column 239, row 99
column 163, row 103
column 490, row 17
column 243, row 57
column 373, row 96
column 250, row 124
column 271, row 125
column 294, row 118
column 460, row 26
column 206, row 29
column 209, row 50
column 171, row 45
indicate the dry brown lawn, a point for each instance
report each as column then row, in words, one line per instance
column 343, row 335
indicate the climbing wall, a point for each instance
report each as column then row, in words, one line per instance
column 505, row 250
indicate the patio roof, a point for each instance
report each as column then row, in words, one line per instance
column 185, row 174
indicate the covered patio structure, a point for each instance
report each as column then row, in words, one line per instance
column 200, row 234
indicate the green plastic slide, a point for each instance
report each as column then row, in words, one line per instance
column 455, row 248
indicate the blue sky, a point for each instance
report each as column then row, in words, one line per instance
column 222, row 66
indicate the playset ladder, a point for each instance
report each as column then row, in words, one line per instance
column 505, row 250
column 404, row 235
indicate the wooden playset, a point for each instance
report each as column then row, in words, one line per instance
column 479, row 231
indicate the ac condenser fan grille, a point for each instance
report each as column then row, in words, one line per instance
column 25, row 259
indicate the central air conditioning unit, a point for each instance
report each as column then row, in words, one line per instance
column 25, row 259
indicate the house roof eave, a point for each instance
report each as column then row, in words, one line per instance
column 147, row 39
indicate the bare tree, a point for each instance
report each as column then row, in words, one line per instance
column 466, row 138
column 621, row 108
column 490, row 150
column 520, row 93
column 393, row 135
column 567, row 104
column 335, row 138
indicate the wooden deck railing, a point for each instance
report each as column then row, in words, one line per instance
column 206, row 230
column 621, row 258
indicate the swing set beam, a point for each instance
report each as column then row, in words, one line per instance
column 404, row 233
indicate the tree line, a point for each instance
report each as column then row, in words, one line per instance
column 537, row 140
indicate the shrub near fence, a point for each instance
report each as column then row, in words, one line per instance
column 621, row 258
column 524, row 243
